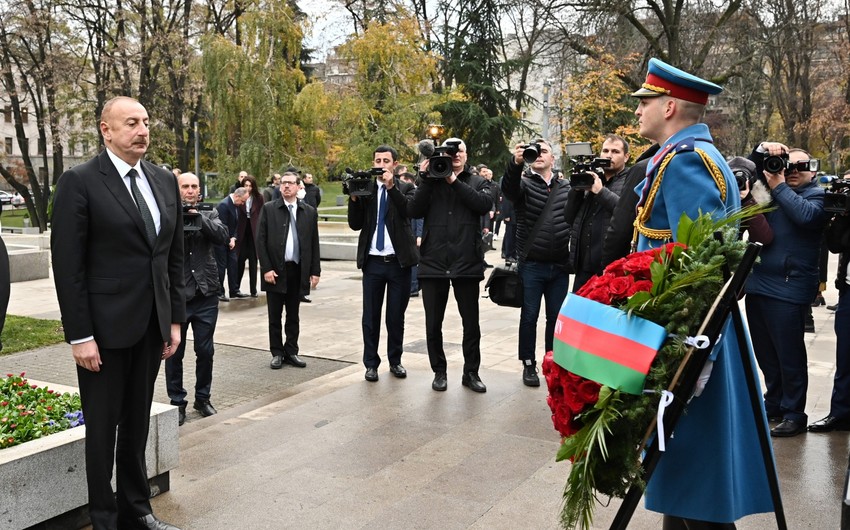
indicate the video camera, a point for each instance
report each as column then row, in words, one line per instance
column 837, row 196
column 357, row 183
column 192, row 220
column 584, row 165
column 439, row 157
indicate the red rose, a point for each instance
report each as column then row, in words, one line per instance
column 600, row 295
column 591, row 284
column 639, row 286
column 619, row 286
column 616, row 267
column 588, row 391
column 638, row 264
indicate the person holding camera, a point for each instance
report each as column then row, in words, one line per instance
column 226, row 254
column 588, row 211
column 386, row 251
column 542, row 241
column 202, row 232
column 838, row 241
column 451, row 254
column 783, row 283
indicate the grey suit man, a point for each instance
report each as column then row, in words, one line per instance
column 117, row 244
column 288, row 259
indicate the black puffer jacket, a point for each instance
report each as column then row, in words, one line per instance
column 451, row 234
column 529, row 194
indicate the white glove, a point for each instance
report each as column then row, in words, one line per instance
column 703, row 378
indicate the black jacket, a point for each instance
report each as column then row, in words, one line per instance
column 621, row 228
column 363, row 216
column 838, row 241
column 589, row 214
column 529, row 194
column 271, row 242
column 451, row 234
column 312, row 195
column 199, row 265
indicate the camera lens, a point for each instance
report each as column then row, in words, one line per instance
column 774, row 164
column 440, row 167
column 531, row 153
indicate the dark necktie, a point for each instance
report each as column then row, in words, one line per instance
column 382, row 219
column 293, row 230
column 147, row 218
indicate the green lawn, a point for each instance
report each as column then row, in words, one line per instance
column 13, row 218
column 25, row 333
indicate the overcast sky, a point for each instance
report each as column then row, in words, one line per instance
column 330, row 24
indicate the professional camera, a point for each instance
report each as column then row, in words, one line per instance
column 439, row 158
column 776, row 163
column 358, row 183
column 742, row 177
column 584, row 165
column 192, row 220
column 837, row 196
column 531, row 152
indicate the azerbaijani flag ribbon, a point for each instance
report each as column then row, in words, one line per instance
column 605, row 344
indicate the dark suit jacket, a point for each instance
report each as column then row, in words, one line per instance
column 228, row 215
column 363, row 216
column 108, row 278
column 242, row 223
column 271, row 242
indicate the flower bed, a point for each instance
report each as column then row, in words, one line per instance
column 29, row 411
column 45, row 478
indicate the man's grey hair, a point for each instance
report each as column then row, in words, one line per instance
column 240, row 192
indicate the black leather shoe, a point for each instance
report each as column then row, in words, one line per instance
column 205, row 408
column 181, row 414
column 222, row 298
column 306, row 300
column 414, row 294
column 832, row 307
column 294, row 360
column 788, row 428
column 277, row 362
column 237, row 294
column 473, row 382
column 529, row 374
column 371, row 374
column 440, row 383
column 149, row 521
column 398, row 371
column 819, row 301
column 254, row 295
column 829, row 424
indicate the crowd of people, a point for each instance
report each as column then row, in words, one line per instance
column 425, row 231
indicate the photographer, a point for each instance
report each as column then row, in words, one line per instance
column 386, row 251
column 588, row 212
column 543, row 260
column 202, row 232
column 452, row 253
column 838, row 241
column 784, row 281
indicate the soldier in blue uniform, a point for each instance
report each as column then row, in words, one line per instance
column 712, row 472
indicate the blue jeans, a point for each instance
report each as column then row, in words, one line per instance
column 540, row 280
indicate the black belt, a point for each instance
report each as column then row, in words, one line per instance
column 386, row 259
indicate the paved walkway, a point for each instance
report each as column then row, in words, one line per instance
column 322, row 448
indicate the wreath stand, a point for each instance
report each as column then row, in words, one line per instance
column 685, row 381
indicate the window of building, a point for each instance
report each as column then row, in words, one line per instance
column 85, row 147
column 8, row 145
column 7, row 114
column 42, row 146
column 25, row 115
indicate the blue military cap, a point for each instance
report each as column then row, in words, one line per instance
column 663, row 79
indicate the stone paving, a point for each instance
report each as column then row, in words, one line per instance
column 322, row 448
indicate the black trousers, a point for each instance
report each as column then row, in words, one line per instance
column 202, row 314
column 247, row 251
column 290, row 301
column 382, row 275
column 435, row 297
column 119, row 396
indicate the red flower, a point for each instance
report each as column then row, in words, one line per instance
column 619, row 286
column 616, row 267
column 639, row 286
column 600, row 294
column 638, row 265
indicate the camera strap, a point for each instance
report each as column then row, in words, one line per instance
column 644, row 211
column 542, row 217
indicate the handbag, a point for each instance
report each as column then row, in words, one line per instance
column 504, row 286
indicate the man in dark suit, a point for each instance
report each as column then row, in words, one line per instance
column 226, row 254
column 287, row 259
column 117, row 245
column 386, row 250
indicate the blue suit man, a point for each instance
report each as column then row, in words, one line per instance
column 225, row 255
column 718, row 432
